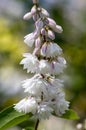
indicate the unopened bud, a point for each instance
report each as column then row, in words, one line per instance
column 51, row 35
column 33, row 10
column 39, row 24
column 44, row 12
column 38, row 42
column 58, row 29
column 35, row 17
column 44, row 49
column 27, row 16
column 43, row 31
column 51, row 22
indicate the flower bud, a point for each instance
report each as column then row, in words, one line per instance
column 52, row 23
column 43, row 32
column 33, row 10
column 38, row 42
column 27, row 16
column 36, row 51
column 46, row 21
column 58, row 29
column 39, row 24
column 44, row 49
column 35, row 17
column 44, row 12
column 51, row 35
column 61, row 60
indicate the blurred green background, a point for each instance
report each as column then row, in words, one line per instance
column 71, row 15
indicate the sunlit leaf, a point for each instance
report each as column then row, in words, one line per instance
column 71, row 115
column 10, row 117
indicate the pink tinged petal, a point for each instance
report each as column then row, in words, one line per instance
column 44, row 50
column 38, row 42
column 36, row 33
column 46, row 21
column 27, row 16
column 44, row 12
column 52, row 23
column 36, row 51
column 43, row 31
column 51, row 35
column 39, row 24
column 58, row 29
column 33, row 10
column 52, row 65
column 35, row 17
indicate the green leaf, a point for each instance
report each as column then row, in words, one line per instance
column 10, row 117
column 71, row 115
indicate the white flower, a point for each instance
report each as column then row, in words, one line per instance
column 44, row 111
column 57, row 68
column 44, row 67
column 30, row 63
column 27, row 16
column 35, row 86
column 61, row 105
column 27, row 105
column 29, row 39
column 50, row 50
column 56, row 82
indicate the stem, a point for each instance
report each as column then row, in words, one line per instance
column 37, row 123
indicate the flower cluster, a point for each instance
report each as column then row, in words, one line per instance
column 44, row 89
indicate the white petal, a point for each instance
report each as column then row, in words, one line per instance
column 26, row 105
column 35, row 86
column 44, row 67
column 55, row 49
column 29, row 39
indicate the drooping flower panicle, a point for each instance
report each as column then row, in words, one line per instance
column 44, row 89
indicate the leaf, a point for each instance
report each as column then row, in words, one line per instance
column 71, row 115
column 10, row 117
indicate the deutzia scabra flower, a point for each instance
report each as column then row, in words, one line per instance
column 44, row 89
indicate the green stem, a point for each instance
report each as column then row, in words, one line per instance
column 37, row 123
